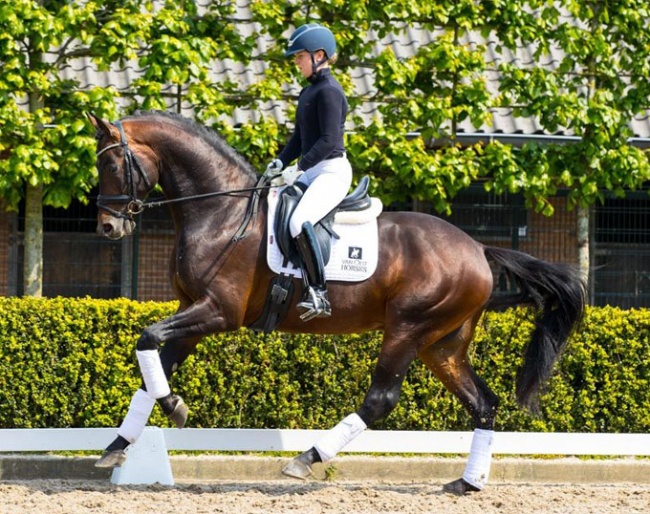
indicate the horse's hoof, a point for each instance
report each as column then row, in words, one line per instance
column 459, row 487
column 297, row 469
column 111, row 459
column 180, row 413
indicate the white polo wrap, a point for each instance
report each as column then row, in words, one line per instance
column 477, row 470
column 152, row 373
column 137, row 416
column 334, row 441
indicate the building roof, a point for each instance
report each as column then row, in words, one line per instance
column 404, row 44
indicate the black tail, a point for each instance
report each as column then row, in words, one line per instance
column 559, row 294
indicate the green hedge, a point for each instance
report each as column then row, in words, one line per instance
column 71, row 363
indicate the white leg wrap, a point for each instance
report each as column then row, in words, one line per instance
column 137, row 416
column 334, row 441
column 477, row 470
column 152, row 373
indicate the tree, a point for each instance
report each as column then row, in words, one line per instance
column 597, row 87
column 48, row 151
column 596, row 83
column 44, row 136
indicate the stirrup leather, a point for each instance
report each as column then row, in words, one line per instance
column 314, row 304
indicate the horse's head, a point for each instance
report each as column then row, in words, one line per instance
column 126, row 175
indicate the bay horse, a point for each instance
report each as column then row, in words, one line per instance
column 431, row 285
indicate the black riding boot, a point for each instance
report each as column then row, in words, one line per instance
column 314, row 302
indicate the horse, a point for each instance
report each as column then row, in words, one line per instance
column 431, row 286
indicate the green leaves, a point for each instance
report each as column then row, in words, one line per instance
column 70, row 362
column 586, row 74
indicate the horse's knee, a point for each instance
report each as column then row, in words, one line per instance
column 379, row 402
column 147, row 341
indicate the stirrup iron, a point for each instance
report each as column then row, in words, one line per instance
column 314, row 305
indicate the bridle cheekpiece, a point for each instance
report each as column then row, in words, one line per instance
column 132, row 165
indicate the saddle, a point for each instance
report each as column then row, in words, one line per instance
column 281, row 288
column 357, row 200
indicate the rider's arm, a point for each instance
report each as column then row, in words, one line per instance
column 293, row 148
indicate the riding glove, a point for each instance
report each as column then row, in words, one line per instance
column 274, row 168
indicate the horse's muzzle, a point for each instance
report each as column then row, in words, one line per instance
column 115, row 228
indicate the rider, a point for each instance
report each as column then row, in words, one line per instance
column 318, row 143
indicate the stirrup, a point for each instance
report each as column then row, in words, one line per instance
column 314, row 305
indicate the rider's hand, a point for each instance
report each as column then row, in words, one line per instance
column 274, row 168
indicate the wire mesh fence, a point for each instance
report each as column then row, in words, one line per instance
column 77, row 262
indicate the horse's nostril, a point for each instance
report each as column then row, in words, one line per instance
column 107, row 228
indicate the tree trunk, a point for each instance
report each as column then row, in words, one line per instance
column 583, row 244
column 33, row 260
column 33, row 240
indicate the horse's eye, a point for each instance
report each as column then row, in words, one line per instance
column 112, row 168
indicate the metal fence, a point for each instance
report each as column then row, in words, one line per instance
column 79, row 263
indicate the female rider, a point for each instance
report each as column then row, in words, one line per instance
column 317, row 143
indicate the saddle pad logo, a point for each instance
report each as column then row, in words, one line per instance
column 354, row 252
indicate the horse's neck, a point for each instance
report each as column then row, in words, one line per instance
column 194, row 167
column 205, row 190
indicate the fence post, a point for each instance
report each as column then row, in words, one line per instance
column 147, row 462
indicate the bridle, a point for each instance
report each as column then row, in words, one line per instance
column 134, row 206
column 132, row 165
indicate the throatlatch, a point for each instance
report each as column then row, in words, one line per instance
column 315, row 303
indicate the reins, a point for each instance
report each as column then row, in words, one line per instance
column 251, row 209
column 135, row 206
column 231, row 192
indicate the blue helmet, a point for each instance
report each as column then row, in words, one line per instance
column 310, row 38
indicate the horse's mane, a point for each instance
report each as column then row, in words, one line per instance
column 206, row 134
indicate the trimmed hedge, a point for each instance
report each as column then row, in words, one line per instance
column 71, row 363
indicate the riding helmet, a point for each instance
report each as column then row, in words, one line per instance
column 312, row 37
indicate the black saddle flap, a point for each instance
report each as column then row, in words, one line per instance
column 287, row 203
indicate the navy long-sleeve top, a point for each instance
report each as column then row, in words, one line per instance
column 320, row 122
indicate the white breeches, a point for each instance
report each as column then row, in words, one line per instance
column 328, row 183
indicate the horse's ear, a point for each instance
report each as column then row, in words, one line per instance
column 102, row 126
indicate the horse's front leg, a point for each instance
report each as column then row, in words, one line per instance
column 382, row 397
column 182, row 332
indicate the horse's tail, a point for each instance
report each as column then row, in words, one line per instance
column 559, row 294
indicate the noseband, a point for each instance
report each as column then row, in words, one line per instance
column 131, row 165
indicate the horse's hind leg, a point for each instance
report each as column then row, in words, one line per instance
column 447, row 359
column 394, row 360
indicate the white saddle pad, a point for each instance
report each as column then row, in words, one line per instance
column 353, row 257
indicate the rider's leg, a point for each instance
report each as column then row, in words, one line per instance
column 328, row 182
